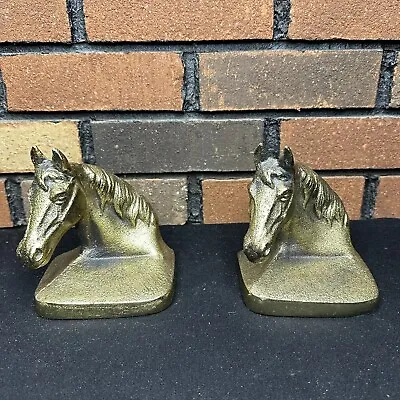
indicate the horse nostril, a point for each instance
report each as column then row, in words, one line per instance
column 37, row 255
column 251, row 254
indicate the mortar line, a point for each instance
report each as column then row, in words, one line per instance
column 14, row 197
column 3, row 97
column 369, row 196
column 271, row 136
column 195, row 199
column 76, row 18
column 190, row 87
column 281, row 19
column 385, row 83
column 80, row 44
column 86, row 142
column 282, row 114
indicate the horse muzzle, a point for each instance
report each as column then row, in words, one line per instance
column 254, row 254
column 34, row 258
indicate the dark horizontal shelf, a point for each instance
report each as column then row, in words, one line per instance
column 207, row 345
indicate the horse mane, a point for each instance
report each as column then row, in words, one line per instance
column 327, row 204
column 118, row 193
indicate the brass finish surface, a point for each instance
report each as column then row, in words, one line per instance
column 298, row 259
column 123, row 267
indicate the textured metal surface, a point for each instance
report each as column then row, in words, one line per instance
column 298, row 259
column 123, row 267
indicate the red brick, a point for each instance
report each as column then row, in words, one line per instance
column 277, row 79
column 5, row 217
column 355, row 19
column 227, row 200
column 387, row 201
column 134, row 20
column 93, row 81
column 351, row 190
column 34, row 21
column 344, row 143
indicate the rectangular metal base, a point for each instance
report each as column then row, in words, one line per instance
column 330, row 286
column 78, row 287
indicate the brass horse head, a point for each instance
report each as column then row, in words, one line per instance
column 297, row 258
column 53, row 207
column 122, row 267
column 113, row 219
column 271, row 193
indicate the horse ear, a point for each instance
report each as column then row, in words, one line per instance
column 287, row 159
column 259, row 154
column 60, row 161
column 37, row 156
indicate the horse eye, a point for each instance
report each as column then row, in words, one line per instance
column 285, row 196
column 59, row 198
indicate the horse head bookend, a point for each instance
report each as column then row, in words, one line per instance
column 123, row 267
column 297, row 258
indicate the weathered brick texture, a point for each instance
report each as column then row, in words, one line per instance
column 5, row 217
column 134, row 20
column 355, row 19
column 17, row 139
column 167, row 196
column 344, row 143
column 93, row 81
column 288, row 79
column 388, row 199
column 157, row 90
column 34, row 21
column 176, row 146
column 227, row 200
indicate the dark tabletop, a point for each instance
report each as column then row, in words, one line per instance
column 207, row 345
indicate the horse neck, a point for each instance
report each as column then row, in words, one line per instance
column 306, row 233
column 104, row 232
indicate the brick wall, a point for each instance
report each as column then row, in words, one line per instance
column 175, row 95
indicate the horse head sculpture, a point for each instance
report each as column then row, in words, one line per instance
column 297, row 256
column 123, row 266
